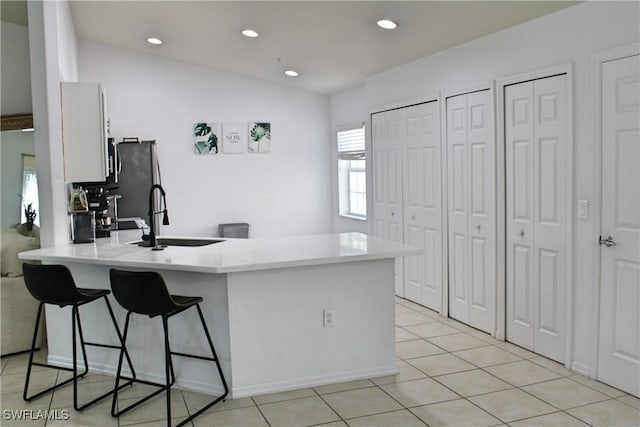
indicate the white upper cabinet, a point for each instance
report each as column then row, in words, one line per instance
column 84, row 131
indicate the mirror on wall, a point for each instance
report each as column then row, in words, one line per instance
column 18, row 176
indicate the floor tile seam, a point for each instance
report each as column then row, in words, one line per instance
column 576, row 382
column 483, row 346
column 550, row 413
column 549, row 403
column 434, row 336
column 472, row 403
column 436, row 345
column 510, row 421
column 551, row 369
column 459, row 349
column 415, row 310
column 427, row 321
column 516, row 385
column 593, row 388
column 458, row 397
column 282, row 400
column 386, row 412
column 450, row 373
column 485, row 366
column 402, row 408
column 331, row 407
column 533, row 355
column 414, row 324
column 625, row 403
column 264, row 417
column 589, row 404
column 354, row 389
column 348, row 389
column 390, row 396
column 526, row 418
column 484, row 410
column 473, row 395
column 448, row 388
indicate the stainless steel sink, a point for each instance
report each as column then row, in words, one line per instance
column 176, row 241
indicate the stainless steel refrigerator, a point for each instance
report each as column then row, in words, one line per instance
column 138, row 167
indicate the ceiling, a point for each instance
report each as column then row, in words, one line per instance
column 334, row 45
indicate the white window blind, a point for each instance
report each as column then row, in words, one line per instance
column 351, row 144
column 352, row 178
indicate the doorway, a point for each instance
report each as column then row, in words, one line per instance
column 619, row 325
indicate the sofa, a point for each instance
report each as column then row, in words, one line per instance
column 17, row 306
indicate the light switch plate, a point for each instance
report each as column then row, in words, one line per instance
column 583, row 209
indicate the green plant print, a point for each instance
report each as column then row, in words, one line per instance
column 260, row 131
column 213, row 143
column 206, row 141
column 201, row 129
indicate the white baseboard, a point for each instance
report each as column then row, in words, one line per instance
column 252, row 390
column 182, row 384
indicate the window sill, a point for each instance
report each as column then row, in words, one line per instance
column 357, row 218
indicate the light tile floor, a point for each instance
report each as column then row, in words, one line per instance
column 450, row 375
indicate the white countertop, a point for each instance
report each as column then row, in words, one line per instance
column 232, row 255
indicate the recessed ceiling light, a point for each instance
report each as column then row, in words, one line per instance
column 249, row 33
column 387, row 24
column 154, row 40
column 291, row 73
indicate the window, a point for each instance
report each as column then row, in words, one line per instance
column 352, row 176
column 29, row 187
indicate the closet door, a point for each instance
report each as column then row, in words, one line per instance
column 535, row 139
column 471, row 208
column 387, row 154
column 422, row 206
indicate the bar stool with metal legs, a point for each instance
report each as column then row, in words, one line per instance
column 146, row 293
column 53, row 284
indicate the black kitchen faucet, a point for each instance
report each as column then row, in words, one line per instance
column 165, row 217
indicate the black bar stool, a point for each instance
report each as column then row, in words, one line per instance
column 146, row 293
column 53, row 284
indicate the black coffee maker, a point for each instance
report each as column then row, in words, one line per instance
column 99, row 203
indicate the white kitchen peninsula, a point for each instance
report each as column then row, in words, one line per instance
column 264, row 302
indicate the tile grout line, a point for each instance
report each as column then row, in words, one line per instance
column 330, row 407
column 260, row 410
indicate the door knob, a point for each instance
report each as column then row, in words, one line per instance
column 607, row 241
column 477, row 226
column 413, row 217
column 521, row 232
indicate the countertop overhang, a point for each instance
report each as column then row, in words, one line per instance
column 232, row 255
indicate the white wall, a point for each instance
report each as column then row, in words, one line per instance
column 570, row 35
column 15, row 76
column 13, row 144
column 347, row 110
column 281, row 193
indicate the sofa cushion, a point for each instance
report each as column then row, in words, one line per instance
column 12, row 243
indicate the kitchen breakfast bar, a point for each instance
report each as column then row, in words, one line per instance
column 284, row 313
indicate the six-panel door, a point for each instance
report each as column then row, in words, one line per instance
column 619, row 346
column 536, row 222
column 387, row 183
column 471, row 208
column 422, row 204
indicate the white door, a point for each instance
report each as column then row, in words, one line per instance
column 535, row 155
column 471, row 208
column 619, row 342
column 422, row 206
column 387, row 157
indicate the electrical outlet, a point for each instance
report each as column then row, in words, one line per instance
column 329, row 317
